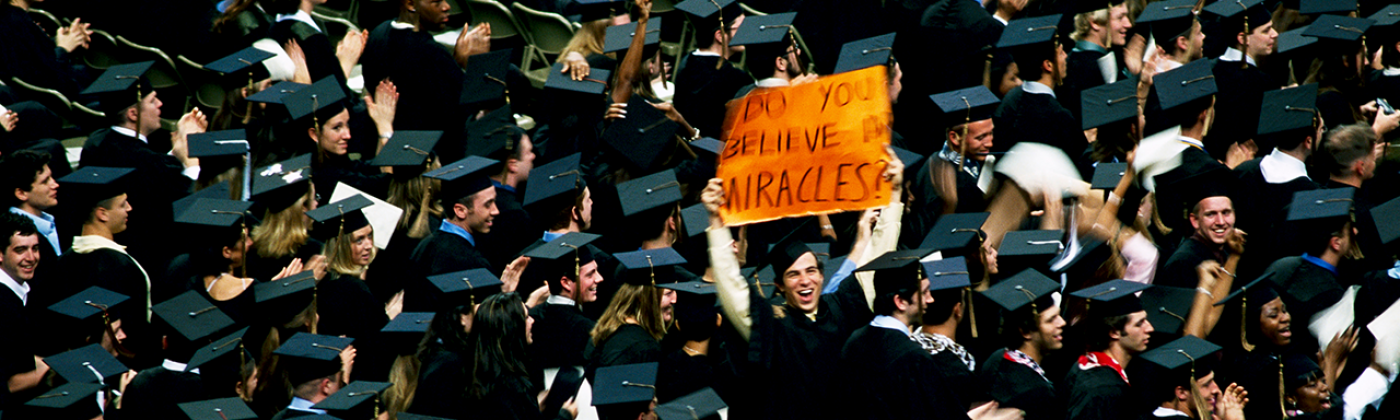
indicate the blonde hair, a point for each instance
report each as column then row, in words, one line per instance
column 403, row 377
column 1082, row 22
column 281, row 233
column 340, row 254
column 641, row 303
column 588, row 40
column 415, row 197
column 233, row 175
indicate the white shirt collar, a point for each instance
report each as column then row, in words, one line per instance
column 1391, row 71
column 175, row 366
column 1167, row 412
column 559, row 300
column 1037, row 87
column 400, row 25
column 772, row 82
column 302, row 16
column 21, row 290
column 886, row 321
column 1191, row 141
column 1279, row 168
column 704, row 53
column 999, row 19
column 130, row 133
column 1232, row 54
column 302, row 404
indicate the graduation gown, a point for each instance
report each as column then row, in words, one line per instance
column 428, row 79
column 682, row 374
column 31, row 55
column 1259, row 370
column 347, row 308
column 1016, row 385
column 113, row 271
column 928, row 203
column 1259, row 205
column 385, row 274
column 1084, row 74
column 16, row 357
column 953, row 371
column 889, row 376
column 321, row 60
column 1237, row 105
column 161, row 181
column 442, row 383
column 355, row 173
column 702, row 91
column 1098, row 393
column 441, row 252
column 563, row 333
column 156, row 393
column 1180, row 268
column 1039, row 118
column 628, row 345
column 510, row 230
column 264, row 268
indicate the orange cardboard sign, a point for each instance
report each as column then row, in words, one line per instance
column 810, row 149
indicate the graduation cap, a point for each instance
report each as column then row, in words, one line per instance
column 463, row 178
column 645, row 138
column 957, row 234
column 231, row 408
column 1184, row 84
column 713, row 146
column 72, row 401
column 311, row 356
column 192, row 316
column 359, row 399
column 1339, row 31
column 696, row 220
column 1239, row 15
column 1167, row 307
column 897, row 271
column 563, row 256
column 764, row 30
column 625, row 384
column 280, row 300
column 218, row 348
column 1214, row 181
column 709, row 15
column 1112, row 298
column 90, row 185
column 277, row 186
column 1387, row 217
column 619, row 37
column 1289, row 109
column 1107, row 175
column 484, row 82
column 1298, row 370
column 1183, row 361
column 1312, row 7
column 1029, row 31
column 947, row 273
column 1025, row 288
column 339, row 218
column 966, row 105
column 595, row 83
column 1168, row 19
column 215, row 144
column 277, row 92
column 121, row 86
column 1029, row 248
column 649, row 192
column 1385, row 27
column 786, row 252
column 405, row 331
column 1108, row 104
column 213, row 220
column 869, row 52
column 1320, row 213
column 1294, row 42
column 555, row 186
column 695, row 308
column 243, row 60
column 89, row 304
column 494, row 135
column 408, row 151
column 698, row 405
column 460, row 288
column 583, row 11
column 649, row 267
column 321, row 101
column 90, row 364
column 1252, row 297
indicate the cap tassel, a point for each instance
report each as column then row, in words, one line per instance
column 220, row 412
column 962, row 142
column 1197, row 401
column 652, row 268
column 577, row 265
column 470, row 296
column 503, row 85
column 1091, row 297
column 107, row 327
column 1031, row 297
column 1281, row 407
column 971, row 312
column 723, row 37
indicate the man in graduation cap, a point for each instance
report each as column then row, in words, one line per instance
column 707, row 80
column 1350, row 154
column 496, row 136
column 569, row 267
column 1100, row 31
column 1213, row 236
column 1289, row 121
column 469, row 203
column 1182, row 385
column 18, row 364
column 1246, row 27
column 1031, row 112
column 186, row 323
column 967, row 144
column 1321, row 224
column 1030, row 327
column 1116, row 331
column 32, row 191
column 1177, row 32
column 315, row 369
column 772, row 55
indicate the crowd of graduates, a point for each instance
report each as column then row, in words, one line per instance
column 1177, row 209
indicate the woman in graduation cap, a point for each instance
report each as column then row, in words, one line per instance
column 325, row 115
column 409, row 155
column 284, row 195
column 346, row 307
column 499, row 386
column 1264, row 338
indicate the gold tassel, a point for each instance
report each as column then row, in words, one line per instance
column 971, row 312
column 1280, row 388
column 1244, row 321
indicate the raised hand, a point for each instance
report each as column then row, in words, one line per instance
column 8, row 120
column 73, row 36
column 382, row 106
column 510, row 277
column 575, row 66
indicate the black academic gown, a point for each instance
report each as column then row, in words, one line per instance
column 511, row 230
column 1306, row 289
column 561, row 334
column 1083, row 74
column 161, row 180
column 1180, row 269
column 289, row 413
column 1098, row 393
column 1242, row 88
column 156, row 393
column 428, row 79
column 1014, row 385
column 321, row 61
column 889, row 376
column 31, row 55
column 630, row 344
column 16, row 357
column 355, row 173
column 264, row 268
column 953, row 371
column 113, row 271
column 442, row 384
column 441, row 252
column 702, row 91
column 928, row 204
column 347, row 308
column 1259, row 207
column 385, row 274
column 1039, row 118
column 1259, row 370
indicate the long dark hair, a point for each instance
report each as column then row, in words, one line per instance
column 498, row 345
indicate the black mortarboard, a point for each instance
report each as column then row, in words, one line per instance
column 1386, row 28
column 193, row 316
column 216, row 349
column 1029, row 31
column 358, row 400
column 211, row 218
column 1294, row 41
column 619, row 37
column 1288, row 109
column 965, row 105
column 484, row 81
column 1184, row 84
column 760, row 30
column 1387, row 217
column 645, row 138
column 1108, row 104
column 219, row 191
column 494, row 135
column 463, row 178
column 909, row 158
column 218, row 144
column 117, row 87
column 1107, row 175
column 72, row 401
column 1112, row 298
column 1252, row 297
column 1029, row 249
column 1339, row 31
column 323, row 100
column 91, row 364
column 461, row 288
column 90, row 303
column 279, row 185
column 635, row 383
column 650, row 267
column 1022, row 289
column 405, row 331
column 649, row 192
column 947, row 273
column 698, row 405
column 244, row 60
column 408, row 149
column 596, row 82
column 785, row 253
column 1298, row 369
column 1211, row 182
column 555, row 186
column 563, row 256
column 339, row 218
column 957, row 234
column 1168, row 19
column 231, row 408
column 695, row 306
column 696, row 220
column 869, row 52
column 1311, row 7
column 280, row 300
column 1181, row 363
column 706, row 14
column 277, row 92
column 1167, row 307
column 89, row 185
column 310, row 356
column 897, row 270
column 584, row 11
column 1239, row 15
column 709, row 145
column 1322, row 204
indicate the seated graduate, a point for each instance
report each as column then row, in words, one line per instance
column 1030, row 328
column 1242, row 37
column 495, row 136
column 1116, row 331
column 93, row 316
column 1264, row 338
column 322, row 111
column 949, row 184
column 402, row 337
column 316, row 366
column 1267, row 184
column 156, row 392
column 286, row 307
column 215, row 266
column 38, row 57
column 469, row 201
column 707, row 79
column 295, row 24
column 569, row 267
column 1031, row 112
column 499, row 385
column 1213, row 234
column 626, row 392
column 282, row 194
column 346, row 306
column 1321, row 225
column 951, row 287
column 631, row 328
column 1182, row 383
column 21, row 367
column 702, row 361
column 445, row 355
column 408, row 154
column 771, row 52
column 1100, row 32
